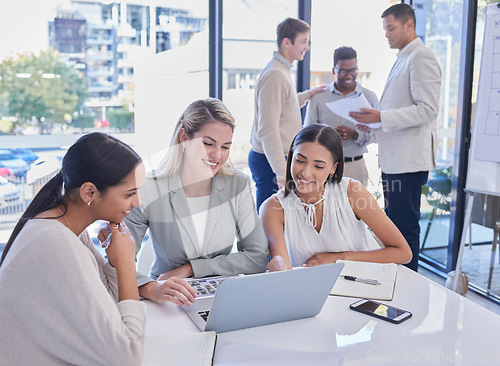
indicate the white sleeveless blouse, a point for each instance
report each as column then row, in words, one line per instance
column 341, row 231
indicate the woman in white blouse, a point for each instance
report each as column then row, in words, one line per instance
column 320, row 217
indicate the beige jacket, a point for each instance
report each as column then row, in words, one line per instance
column 409, row 109
column 277, row 113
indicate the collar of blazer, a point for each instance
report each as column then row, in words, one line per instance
column 417, row 42
column 175, row 183
column 410, row 47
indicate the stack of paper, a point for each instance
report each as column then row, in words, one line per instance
column 385, row 273
column 194, row 349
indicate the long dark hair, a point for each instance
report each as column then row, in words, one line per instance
column 97, row 158
column 326, row 137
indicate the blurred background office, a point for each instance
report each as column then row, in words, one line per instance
column 128, row 68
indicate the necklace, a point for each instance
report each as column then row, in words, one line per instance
column 65, row 218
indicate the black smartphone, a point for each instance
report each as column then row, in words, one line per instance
column 381, row 311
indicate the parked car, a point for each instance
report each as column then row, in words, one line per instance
column 26, row 154
column 5, row 172
column 10, row 194
column 17, row 166
column 43, row 168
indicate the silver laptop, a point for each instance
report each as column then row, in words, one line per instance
column 266, row 298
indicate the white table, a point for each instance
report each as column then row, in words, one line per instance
column 446, row 329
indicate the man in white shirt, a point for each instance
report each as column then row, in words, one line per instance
column 409, row 107
column 345, row 69
column 277, row 109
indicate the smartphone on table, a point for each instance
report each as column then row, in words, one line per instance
column 381, row 311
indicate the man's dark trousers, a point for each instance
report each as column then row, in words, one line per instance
column 402, row 193
column 263, row 176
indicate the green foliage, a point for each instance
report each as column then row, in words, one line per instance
column 121, row 119
column 6, row 126
column 483, row 3
column 40, row 87
column 438, row 188
column 84, row 121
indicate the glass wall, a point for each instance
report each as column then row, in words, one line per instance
column 336, row 24
column 102, row 44
column 167, row 82
column 443, row 35
column 479, row 261
column 249, row 40
column 67, row 68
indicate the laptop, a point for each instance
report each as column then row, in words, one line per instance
column 265, row 298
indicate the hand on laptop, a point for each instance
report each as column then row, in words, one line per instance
column 175, row 290
column 278, row 263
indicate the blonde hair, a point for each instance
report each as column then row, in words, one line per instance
column 194, row 117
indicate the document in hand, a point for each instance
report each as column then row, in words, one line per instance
column 385, row 273
column 342, row 107
column 194, row 349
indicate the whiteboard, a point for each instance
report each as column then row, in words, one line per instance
column 483, row 174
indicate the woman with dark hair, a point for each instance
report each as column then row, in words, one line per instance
column 320, row 217
column 196, row 206
column 61, row 301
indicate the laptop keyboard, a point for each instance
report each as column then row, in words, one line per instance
column 207, row 286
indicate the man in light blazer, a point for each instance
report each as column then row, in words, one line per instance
column 408, row 111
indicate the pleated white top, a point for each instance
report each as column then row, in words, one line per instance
column 341, row 231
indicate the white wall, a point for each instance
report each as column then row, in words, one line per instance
column 166, row 83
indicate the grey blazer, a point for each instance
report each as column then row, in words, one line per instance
column 409, row 108
column 164, row 210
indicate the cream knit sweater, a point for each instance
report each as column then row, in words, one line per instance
column 58, row 303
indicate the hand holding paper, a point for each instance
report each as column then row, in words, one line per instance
column 346, row 107
column 367, row 117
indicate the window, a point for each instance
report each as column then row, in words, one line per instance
column 249, row 40
column 336, row 24
column 112, row 59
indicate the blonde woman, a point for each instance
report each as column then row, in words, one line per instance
column 195, row 206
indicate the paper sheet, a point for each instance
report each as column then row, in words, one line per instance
column 487, row 116
column 250, row 355
column 385, row 273
column 194, row 349
column 343, row 106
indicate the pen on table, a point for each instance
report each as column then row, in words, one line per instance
column 363, row 280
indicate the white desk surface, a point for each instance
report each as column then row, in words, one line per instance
column 446, row 329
